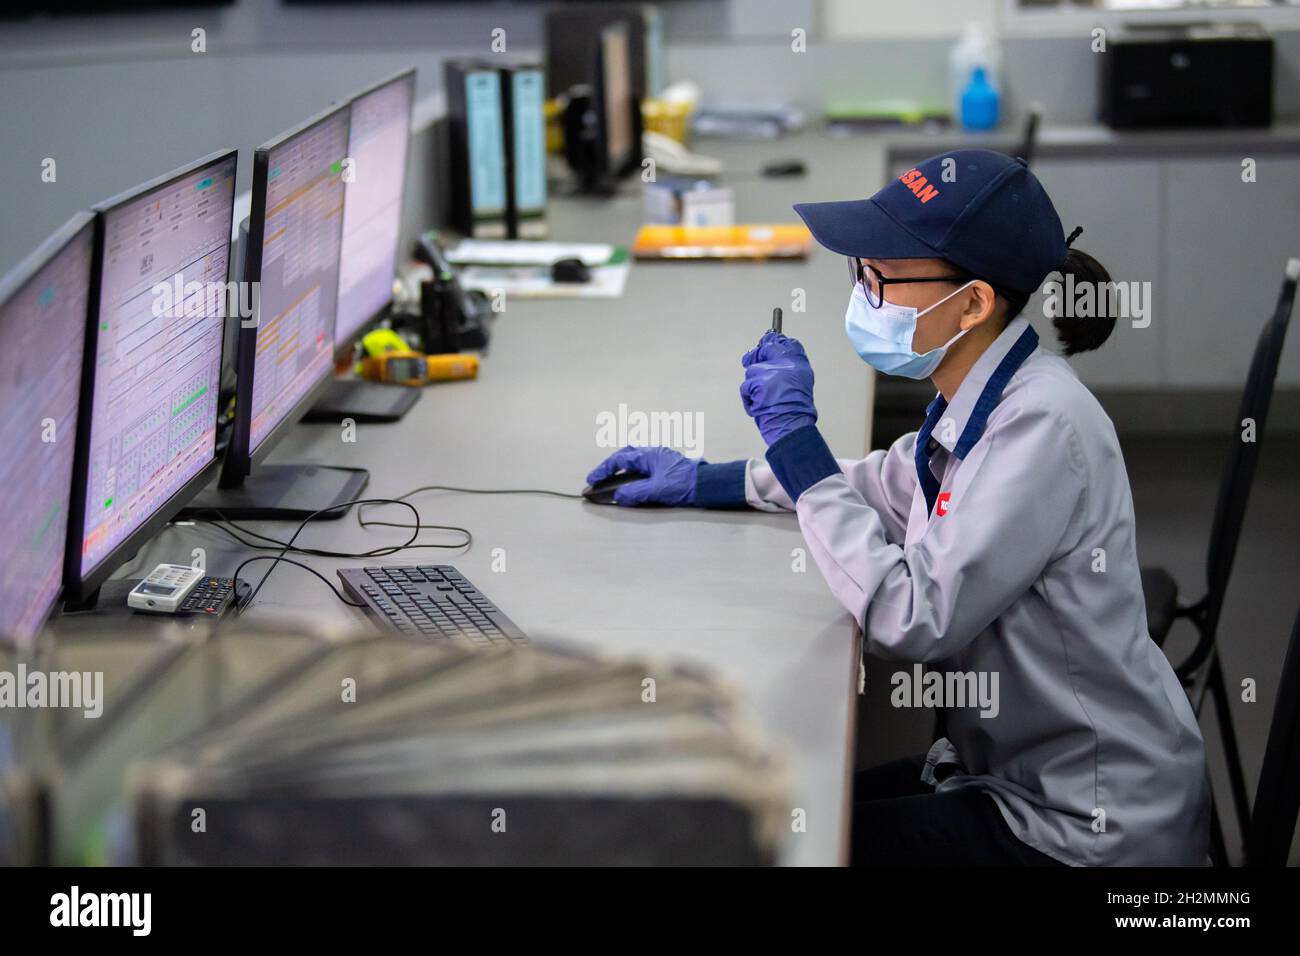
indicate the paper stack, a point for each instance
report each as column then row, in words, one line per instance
column 249, row 748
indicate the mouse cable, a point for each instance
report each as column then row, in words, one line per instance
column 230, row 528
column 303, row 524
column 381, row 552
column 402, row 498
column 488, row 491
column 297, row 564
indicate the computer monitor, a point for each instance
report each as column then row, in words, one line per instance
column 617, row 112
column 602, row 121
column 43, row 310
column 378, row 144
column 285, row 355
column 146, row 439
column 570, row 28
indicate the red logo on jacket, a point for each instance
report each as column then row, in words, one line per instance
column 941, row 503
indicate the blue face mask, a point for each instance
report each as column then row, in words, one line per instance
column 882, row 335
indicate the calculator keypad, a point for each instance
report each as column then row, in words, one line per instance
column 210, row 596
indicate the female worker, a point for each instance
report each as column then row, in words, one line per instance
column 997, row 541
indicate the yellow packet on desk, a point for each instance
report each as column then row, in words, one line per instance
column 756, row 241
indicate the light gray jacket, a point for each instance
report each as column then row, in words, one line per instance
column 1028, row 569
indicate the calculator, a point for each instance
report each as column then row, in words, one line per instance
column 165, row 589
column 181, row 589
column 213, row 596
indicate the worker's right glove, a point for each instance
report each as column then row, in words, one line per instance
column 778, row 388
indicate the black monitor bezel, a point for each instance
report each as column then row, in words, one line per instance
column 239, row 458
column 11, row 283
column 75, row 586
column 343, row 349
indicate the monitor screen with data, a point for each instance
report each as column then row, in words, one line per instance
column 297, row 219
column 162, row 304
column 372, row 203
column 43, row 306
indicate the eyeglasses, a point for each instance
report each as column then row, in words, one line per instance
column 873, row 283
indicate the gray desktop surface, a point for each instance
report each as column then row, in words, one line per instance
column 716, row 588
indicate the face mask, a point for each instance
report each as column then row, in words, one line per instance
column 882, row 335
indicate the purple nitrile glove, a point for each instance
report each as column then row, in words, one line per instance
column 778, row 387
column 670, row 476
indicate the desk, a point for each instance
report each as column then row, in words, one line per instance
column 715, row 588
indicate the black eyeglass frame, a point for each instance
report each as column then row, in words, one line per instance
column 857, row 267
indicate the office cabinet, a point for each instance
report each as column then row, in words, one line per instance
column 1225, row 244
column 1179, row 216
column 1118, row 205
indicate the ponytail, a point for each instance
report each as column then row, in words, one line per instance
column 1083, row 333
column 1076, row 333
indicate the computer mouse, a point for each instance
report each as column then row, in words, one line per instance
column 602, row 492
column 570, row 270
column 785, row 167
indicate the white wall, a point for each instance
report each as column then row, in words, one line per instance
column 874, row 19
column 932, row 19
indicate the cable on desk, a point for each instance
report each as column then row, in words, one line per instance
column 298, row 564
column 297, row 531
column 230, row 527
column 467, row 491
column 410, row 544
column 488, row 491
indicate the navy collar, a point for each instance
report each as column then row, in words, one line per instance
column 963, row 421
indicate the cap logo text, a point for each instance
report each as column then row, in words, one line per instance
column 920, row 186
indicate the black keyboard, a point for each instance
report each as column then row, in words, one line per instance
column 431, row 600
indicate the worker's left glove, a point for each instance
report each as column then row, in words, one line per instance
column 778, row 387
column 669, row 476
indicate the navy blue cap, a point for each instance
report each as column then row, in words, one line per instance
column 989, row 216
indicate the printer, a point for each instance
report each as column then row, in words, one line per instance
column 1194, row 75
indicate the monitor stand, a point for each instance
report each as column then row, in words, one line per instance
column 114, row 593
column 281, row 493
column 367, row 403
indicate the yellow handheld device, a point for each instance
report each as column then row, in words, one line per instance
column 415, row 368
column 383, row 341
column 452, row 366
column 389, row 359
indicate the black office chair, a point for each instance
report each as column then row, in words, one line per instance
column 1029, row 142
column 1201, row 671
column 1277, row 800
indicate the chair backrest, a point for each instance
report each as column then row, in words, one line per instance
column 1029, row 144
column 1243, row 456
column 1277, row 799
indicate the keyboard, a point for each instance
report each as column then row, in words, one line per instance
column 431, row 600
